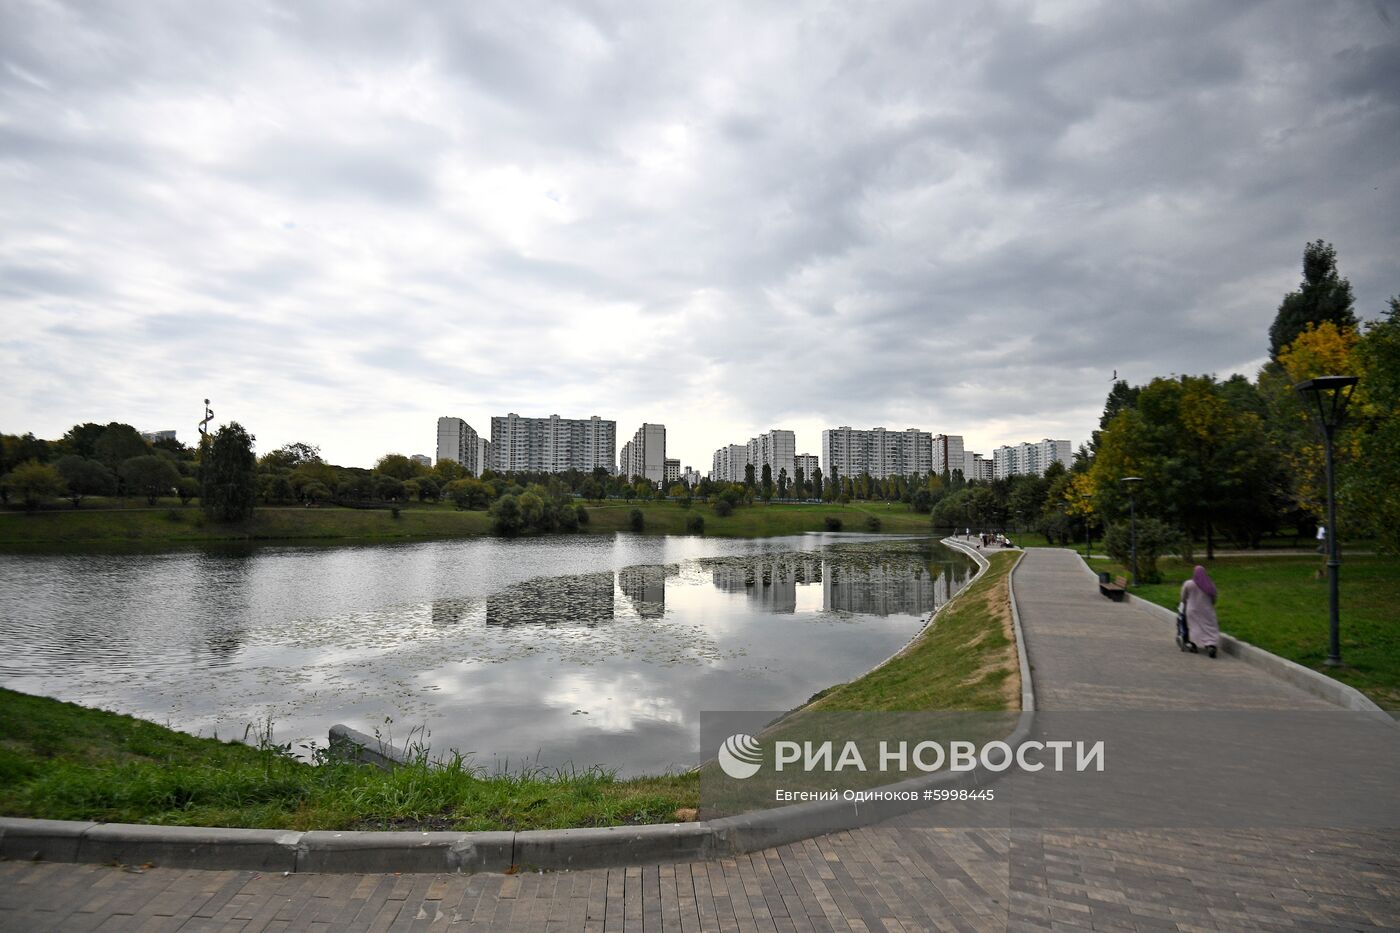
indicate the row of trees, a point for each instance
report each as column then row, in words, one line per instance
column 1235, row 460
column 115, row 460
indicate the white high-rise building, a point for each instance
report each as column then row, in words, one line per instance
column 977, row 467
column 728, row 464
column 673, row 471
column 877, row 451
column 691, row 477
column 1030, row 458
column 553, row 444
column 949, row 454
column 774, row 449
column 422, row 459
column 459, row 442
column 645, row 454
column 807, row 463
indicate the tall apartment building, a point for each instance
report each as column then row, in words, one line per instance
column 877, row 451
column 458, row 441
column 645, row 454
column 422, row 460
column 728, row 464
column 1030, row 458
column 807, row 463
column 975, row 466
column 673, row 472
column 553, row 444
column 691, row 477
column 776, row 449
column 949, row 454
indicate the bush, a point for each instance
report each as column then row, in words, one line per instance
column 695, row 524
column 582, row 514
column 724, row 508
column 1154, row 538
column 872, row 523
column 833, row 523
column 637, row 520
column 505, row 516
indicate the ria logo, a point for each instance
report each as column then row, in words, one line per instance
column 740, row 756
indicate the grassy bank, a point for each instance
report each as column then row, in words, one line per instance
column 1280, row 604
column 173, row 525
column 61, row 761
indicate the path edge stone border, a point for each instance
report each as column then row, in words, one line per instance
column 213, row 848
column 1291, row 672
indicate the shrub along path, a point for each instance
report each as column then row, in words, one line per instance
column 879, row 878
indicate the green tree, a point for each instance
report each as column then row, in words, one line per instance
column 817, row 483
column 782, row 483
column 85, row 478
column 637, row 521
column 119, row 443
column 1154, row 538
column 1323, row 295
column 150, row 476
column 81, row 439
column 399, row 467
column 187, row 488
column 748, row 475
column 228, row 489
column 1202, row 460
column 1372, row 484
column 33, row 482
column 767, row 482
column 290, row 456
column 505, row 516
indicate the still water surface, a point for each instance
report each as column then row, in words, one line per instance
column 577, row 650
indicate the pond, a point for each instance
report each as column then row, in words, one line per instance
column 567, row 651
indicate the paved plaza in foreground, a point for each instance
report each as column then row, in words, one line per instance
column 1086, row 654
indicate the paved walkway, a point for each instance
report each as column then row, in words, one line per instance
column 1087, row 654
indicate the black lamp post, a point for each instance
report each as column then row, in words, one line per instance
column 1130, row 482
column 1329, row 396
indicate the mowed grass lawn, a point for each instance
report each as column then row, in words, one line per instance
column 1280, row 604
column 169, row 523
column 62, row 761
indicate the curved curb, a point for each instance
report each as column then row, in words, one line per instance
column 1290, row 672
column 211, row 848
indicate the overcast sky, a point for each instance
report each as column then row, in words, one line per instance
column 342, row 220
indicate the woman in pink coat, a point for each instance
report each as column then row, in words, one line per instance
column 1198, row 596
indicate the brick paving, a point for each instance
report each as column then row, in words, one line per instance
column 1086, row 653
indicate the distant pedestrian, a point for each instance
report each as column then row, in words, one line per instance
column 1198, row 599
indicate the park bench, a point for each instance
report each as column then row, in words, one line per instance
column 1114, row 590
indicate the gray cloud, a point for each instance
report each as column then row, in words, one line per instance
column 343, row 222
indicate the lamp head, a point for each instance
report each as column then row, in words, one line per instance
column 1330, row 396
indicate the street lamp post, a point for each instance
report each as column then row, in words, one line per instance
column 1131, row 483
column 1330, row 396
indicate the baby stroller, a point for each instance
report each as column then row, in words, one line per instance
column 1183, row 633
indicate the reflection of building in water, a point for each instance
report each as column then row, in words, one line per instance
column 896, row 588
column 585, row 599
column 770, row 580
column 645, row 586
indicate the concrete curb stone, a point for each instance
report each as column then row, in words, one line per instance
column 190, row 847
column 362, row 852
column 51, row 840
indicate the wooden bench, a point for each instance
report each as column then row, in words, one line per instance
column 1116, row 589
